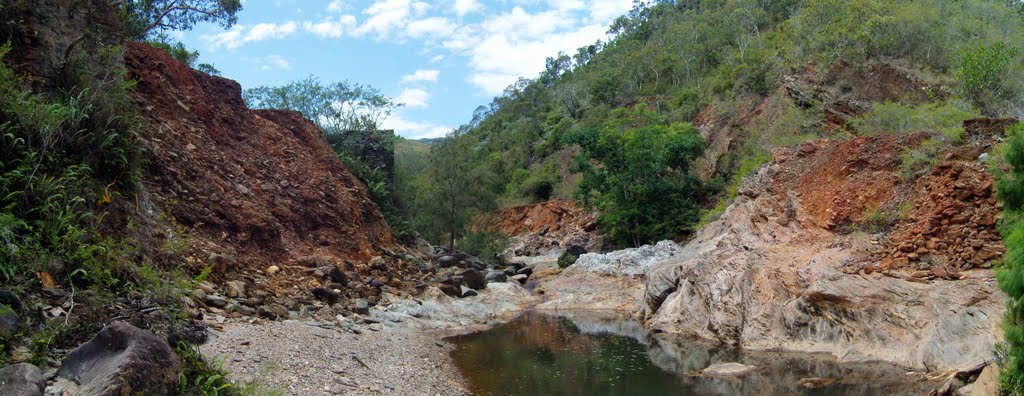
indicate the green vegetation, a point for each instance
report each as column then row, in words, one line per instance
column 1011, row 277
column 641, row 188
column 679, row 59
column 335, row 108
column 143, row 17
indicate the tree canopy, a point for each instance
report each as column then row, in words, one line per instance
column 143, row 17
column 335, row 107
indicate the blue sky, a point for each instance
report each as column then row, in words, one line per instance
column 441, row 58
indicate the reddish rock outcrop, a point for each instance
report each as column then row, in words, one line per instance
column 791, row 264
column 541, row 228
column 260, row 186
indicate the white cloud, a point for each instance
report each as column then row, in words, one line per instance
column 385, row 16
column 463, row 7
column 241, row 34
column 421, row 76
column 274, row 62
column 431, row 27
column 414, row 129
column 436, row 58
column 331, row 28
column 335, row 6
column 414, row 98
column 514, row 44
column 607, row 10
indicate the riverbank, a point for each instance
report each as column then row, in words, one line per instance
column 304, row 358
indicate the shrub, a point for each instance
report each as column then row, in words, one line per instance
column 980, row 72
column 1010, row 189
column 943, row 119
column 484, row 244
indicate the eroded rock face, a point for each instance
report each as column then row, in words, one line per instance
column 122, row 360
column 261, row 185
column 21, row 380
column 548, row 227
column 768, row 274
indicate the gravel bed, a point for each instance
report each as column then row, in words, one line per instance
column 302, row 358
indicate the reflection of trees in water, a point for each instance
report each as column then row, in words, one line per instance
column 587, row 354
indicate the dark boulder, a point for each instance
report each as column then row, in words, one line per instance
column 123, row 360
column 525, row 271
column 474, row 279
column 326, row 295
column 447, row 261
column 338, row 276
column 9, row 321
column 576, row 250
column 21, row 380
column 496, row 277
column 450, row 289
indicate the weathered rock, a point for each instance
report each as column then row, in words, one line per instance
column 447, row 261
column 10, row 299
column 9, row 321
column 521, row 278
column 122, row 360
column 525, row 271
column 326, row 295
column 273, row 311
column 450, row 289
column 235, row 289
column 273, row 269
column 728, row 370
column 21, row 379
column 338, row 276
column 767, row 274
column 628, row 261
column 467, row 292
column 362, row 307
column 473, row 278
column 987, row 383
column 216, row 301
column 496, row 277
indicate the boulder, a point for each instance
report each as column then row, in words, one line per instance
column 496, row 277
column 9, row 321
column 467, row 292
column 21, row 380
column 362, row 307
column 447, row 261
column 728, row 370
column 474, row 279
column 122, row 360
column 273, row 311
column 520, row 278
column 235, row 289
column 450, row 289
column 216, row 301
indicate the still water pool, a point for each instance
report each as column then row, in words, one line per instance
column 593, row 354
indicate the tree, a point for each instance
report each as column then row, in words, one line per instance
column 457, row 188
column 635, row 172
column 141, row 17
column 333, row 107
column 1011, row 277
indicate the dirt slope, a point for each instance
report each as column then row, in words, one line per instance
column 261, row 187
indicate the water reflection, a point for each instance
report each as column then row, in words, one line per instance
column 587, row 353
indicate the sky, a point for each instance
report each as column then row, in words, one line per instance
column 441, row 58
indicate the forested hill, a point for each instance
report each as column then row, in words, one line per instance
column 686, row 97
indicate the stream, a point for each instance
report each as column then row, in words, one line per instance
column 590, row 353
